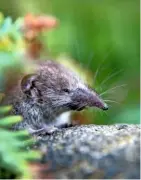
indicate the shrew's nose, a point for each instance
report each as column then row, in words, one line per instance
column 105, row 107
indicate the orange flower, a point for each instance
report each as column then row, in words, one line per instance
column 32, row 27
column 39, row 23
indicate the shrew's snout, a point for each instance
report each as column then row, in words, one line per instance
column 87, row 97
column 105, row 107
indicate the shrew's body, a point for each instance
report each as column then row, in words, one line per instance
column 52, row 90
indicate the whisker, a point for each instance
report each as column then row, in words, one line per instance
column 108, row 100
column 77, row 51
column 99, row 111
column 105, row 113
column 90, row 59
column 93, row 114
column 78, row 56
column 100, row 87
column 99, row 67
column 111, row 76
column 108, row 90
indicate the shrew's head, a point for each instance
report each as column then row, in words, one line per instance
column 56, row 86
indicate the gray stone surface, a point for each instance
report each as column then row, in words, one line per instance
column 92, row 151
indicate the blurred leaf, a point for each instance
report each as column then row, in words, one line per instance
column 21, row 134
column 14, row 149
column 6, row 27
column 31, row 155
column 1, row 18
column 8, row 121
column 5, row 109
column 6, row 59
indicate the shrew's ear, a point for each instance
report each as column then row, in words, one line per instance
column 28, row 83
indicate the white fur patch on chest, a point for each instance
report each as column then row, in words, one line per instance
column 64, row 118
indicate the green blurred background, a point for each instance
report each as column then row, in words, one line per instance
column 96, row 33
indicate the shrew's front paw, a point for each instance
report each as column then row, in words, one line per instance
column 67, row 125
column 47, row 130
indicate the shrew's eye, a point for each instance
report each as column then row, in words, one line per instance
column 66, row 90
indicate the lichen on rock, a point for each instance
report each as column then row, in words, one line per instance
column 92, row 151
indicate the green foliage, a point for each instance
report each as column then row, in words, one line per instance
column 11, row 39
column 14, row 153
column 14, row 156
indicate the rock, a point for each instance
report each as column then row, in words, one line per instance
column 92, row 151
